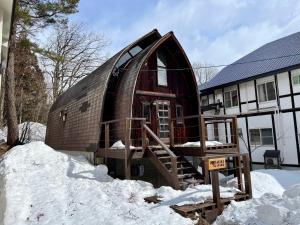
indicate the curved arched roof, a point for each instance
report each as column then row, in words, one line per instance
column 128, row 83
column 83, row 104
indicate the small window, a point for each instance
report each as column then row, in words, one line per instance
column 135, row 50
column 296, row 79
column 204, row 102
column 179, row 114
column 162, row 78
column 261, row 136
column 231, row 98
column 266, row 91
column 146, row 111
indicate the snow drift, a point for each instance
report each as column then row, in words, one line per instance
column 276, row 200
column 42, row 186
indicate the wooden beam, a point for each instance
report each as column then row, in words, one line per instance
column 171, row 133
column 106, row 141
column 158, row 94
column 127, row 158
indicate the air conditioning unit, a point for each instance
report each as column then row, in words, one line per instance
column 272, row 159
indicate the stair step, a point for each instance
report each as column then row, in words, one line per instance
column 178, row 162
column 161, row 152
column 182, row 176
column 182, row 168
column 164, row 157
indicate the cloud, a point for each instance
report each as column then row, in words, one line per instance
column 213, row 31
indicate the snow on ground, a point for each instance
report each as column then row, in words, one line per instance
column 276, row 200
column 192, row 195
column 43, row 186
column 36, row 131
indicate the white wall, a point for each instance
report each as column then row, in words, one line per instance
column 284, row 123
column 286, row 138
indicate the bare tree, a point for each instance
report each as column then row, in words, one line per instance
column 71, row 54
column 204, row 72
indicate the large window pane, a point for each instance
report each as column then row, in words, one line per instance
column 161, row 59
column 296, row 79
column 267, row 136
column 234, row 98
column 227, row 99
column 271, row 91
column 255, row 137
column 162, row 76
column 262, row 93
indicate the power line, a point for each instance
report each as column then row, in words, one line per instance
column 221, row 65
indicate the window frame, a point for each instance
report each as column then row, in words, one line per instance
column 266, row 91
column 230, row 98
column 261, row 141
column 143, row 112
column 161, row 68
column 179, row 120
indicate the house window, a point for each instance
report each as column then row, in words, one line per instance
column 204, row 101
column 179, row 114
column 262, row 136
column 296, row 79
column 146, row 111
column 266, row 91
column 162, row 78
column 231, row 98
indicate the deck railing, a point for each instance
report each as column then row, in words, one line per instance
column 195, row 128
column 214, row 131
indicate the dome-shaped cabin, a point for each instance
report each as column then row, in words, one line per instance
column 142, row 104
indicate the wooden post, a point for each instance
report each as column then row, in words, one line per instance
column 216, row 189
column 247, row 175
column 172, row 133
column 205, row 171
column 174, row 173
column 143, row 134
column 127, row 158
column 238, row 169
column 202, row 133
column 106, row 142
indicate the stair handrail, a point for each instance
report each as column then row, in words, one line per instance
column 153, row 135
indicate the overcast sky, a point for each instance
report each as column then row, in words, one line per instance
column 212, row 31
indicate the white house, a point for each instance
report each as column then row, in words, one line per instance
column 263, row 90
column 6, row 11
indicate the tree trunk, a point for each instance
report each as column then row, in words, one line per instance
column 10, row 106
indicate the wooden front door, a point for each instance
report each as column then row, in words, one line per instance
column 163, row 120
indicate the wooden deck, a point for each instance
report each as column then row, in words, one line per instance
column 207, row 210
column 228, row 150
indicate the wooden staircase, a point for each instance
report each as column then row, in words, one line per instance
column 178, row 171
column 181, row 174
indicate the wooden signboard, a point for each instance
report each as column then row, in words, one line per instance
column 216, row 163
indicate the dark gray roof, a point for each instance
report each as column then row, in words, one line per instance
column 276, row 55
